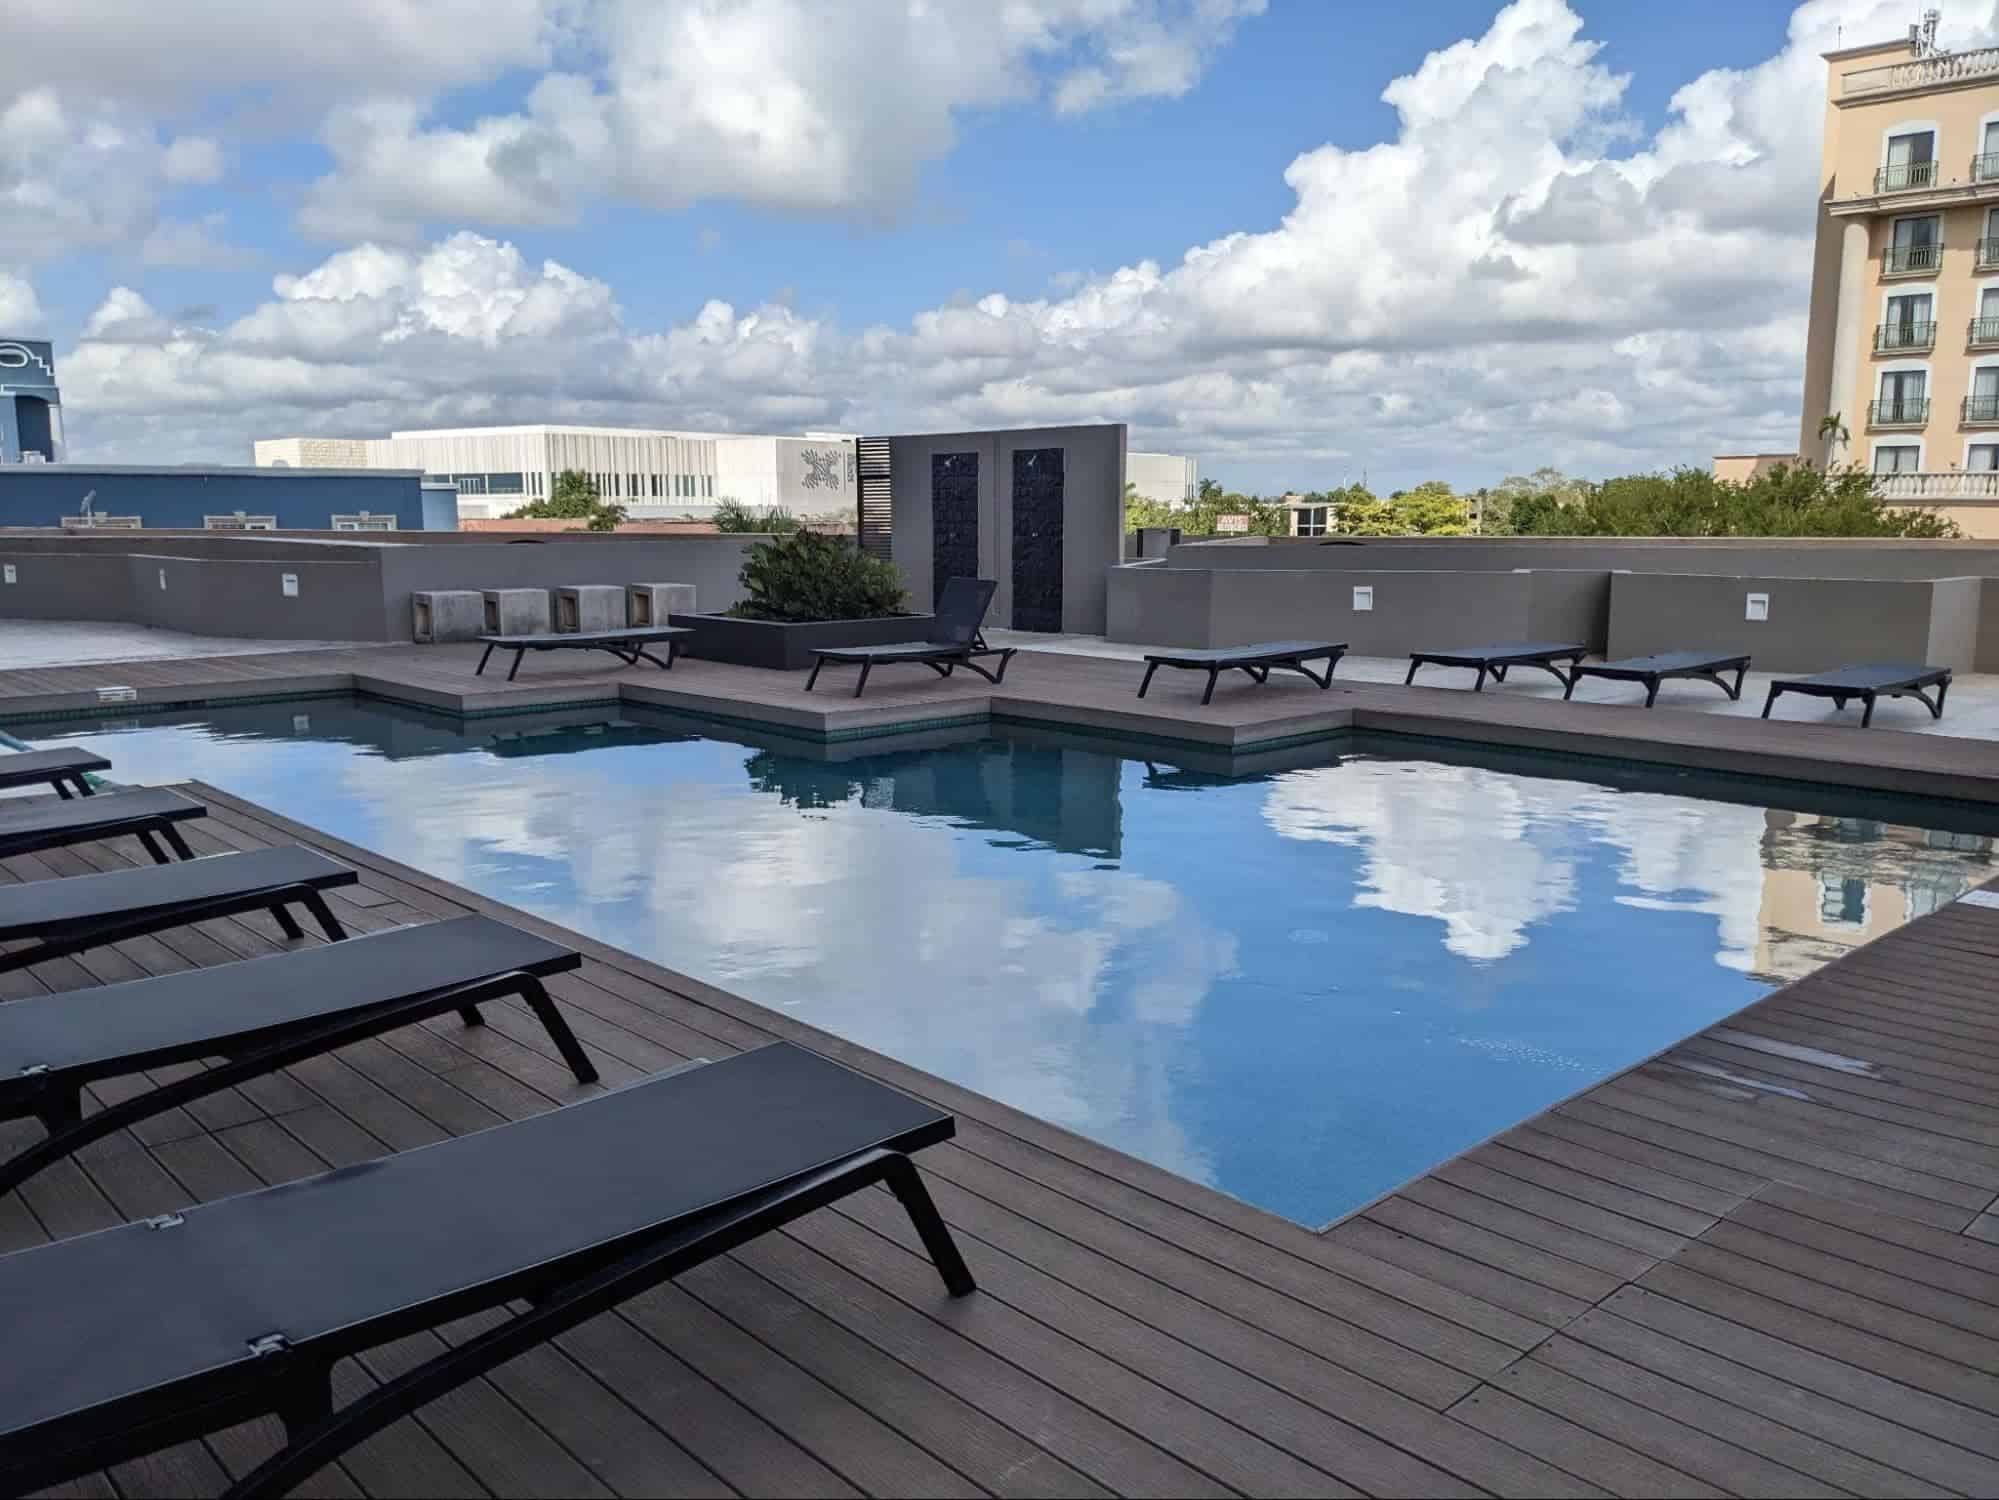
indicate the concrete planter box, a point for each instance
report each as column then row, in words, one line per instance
column 447, row 615
column 651, row 603
column 516, row 611
column 784, row 647
column 590, row 607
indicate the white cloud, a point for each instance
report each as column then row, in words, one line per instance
column 199, row 243
column 192, row 158
column 20, row 311
column 1515, row 277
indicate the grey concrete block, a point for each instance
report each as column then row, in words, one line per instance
column 447, row 615
column 516, row 611
column 656, row 603
column 590, row 606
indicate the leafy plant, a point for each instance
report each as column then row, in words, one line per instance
column 573, row 497
column 1788, row 500
column 731, row 515
column 805, row 576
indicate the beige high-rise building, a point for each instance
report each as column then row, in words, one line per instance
column 1903, row 345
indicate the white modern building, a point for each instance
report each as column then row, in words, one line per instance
column 656, row 474
column 1164, row 478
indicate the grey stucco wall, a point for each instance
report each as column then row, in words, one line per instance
column 1814, row 624
column 1092, row 516
column 1954, row 611
column 336, row 601
column 67, row 586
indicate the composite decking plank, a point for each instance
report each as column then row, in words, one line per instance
column 1592, row 1457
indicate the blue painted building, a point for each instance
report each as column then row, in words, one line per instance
column 199, row 498
column 30, row 404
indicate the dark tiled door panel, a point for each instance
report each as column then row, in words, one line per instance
column 1037, row 539
column 954, row 518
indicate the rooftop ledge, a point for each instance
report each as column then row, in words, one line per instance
column 1944, row 70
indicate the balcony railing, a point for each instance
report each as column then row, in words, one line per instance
column 1978, row 410
column 1921, row 72
column 1982, row 331
column 1904, row 411
column 1917, row 488
column 1904, row 335
column 1988, row 253
column 1906, row 177
column 1985, row 168
column 1899, row 260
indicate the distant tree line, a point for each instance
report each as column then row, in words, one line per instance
column 1793, row 500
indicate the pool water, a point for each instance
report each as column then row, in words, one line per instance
column 1301, row 981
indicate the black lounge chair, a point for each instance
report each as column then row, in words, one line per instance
column 955, row 638
column 1494, row 660
column 262, row 1014
column 1258, row 661
column 1867, row 682
column 125, row 1341
column 61, row 769
column 1653, row 670
column 146, row 812
column 629, row 646
column 87, row 911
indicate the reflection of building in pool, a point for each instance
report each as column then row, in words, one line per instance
column 1066, row 799
column 1831, row 884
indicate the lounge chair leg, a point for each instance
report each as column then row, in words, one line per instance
column 1735, row 696
column 1651, row 691
column 1150, row 668
column 480, row 670
column 1936, row 708
column 469, row 1014
column 518, row 655
column 315, row 903
column 866, row 667
column 1413, row 665
column 1479, row 686
column 62, row 791
column 308, row 1398
column 1210, row 693
column 60, row 1111
column 151, row 846
column 901, row 1175
column 1569, row 688
column 816, row 665
column 558, row 1030
column 175, row 842
column 1767, row 702
column 287, row 924
column 1867, row 711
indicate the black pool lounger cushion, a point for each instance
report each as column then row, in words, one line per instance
column 61, row 768
column 146, row 812
column 87, row 911
column 125, row 1341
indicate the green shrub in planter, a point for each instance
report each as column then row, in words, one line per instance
column 808, row 576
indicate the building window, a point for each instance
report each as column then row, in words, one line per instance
column 1982, row 405
column 1310, row 520
column 364, row 522
column 1911, row 162
column 1915, row 245
column 239, row 522
column 1897, row 458
column 1985, row 165
column 1982, row 458
column 1904, row 397
column 1909, row 324
column 1842, row 901
column 98, row 521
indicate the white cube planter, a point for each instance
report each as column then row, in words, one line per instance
column 447, row 615
column 516, row 611
column 648, row 604
column 590, row 607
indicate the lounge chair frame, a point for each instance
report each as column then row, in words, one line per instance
column 627, row 645
column 148, row 813
column 61, row 768
column 1494, row 660
column 957, row 636
column 1256, row 662
column 1653, row 670
column 1888, row 682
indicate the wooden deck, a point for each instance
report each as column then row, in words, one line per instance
column 1766, row 1263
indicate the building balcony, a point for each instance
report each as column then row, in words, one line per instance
column 1911, row 260
column 1904, row 412
column 1985, row 168
column 1938, row 488
column 1899, row 336
column 1988, row 254
column 1979, row 411
column 1982, row 332
column 1909, row 177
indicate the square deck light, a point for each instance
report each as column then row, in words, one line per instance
column 1757, row 608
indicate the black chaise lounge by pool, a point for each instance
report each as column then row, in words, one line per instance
column 87, row 911
column 955, row 638
column 629, row 646
column 62, row 769
column 149, row 812
column 261, row 1014
column 1867, row 682
column 1495, row 659
column 1257, row 662
column 128, row 1340
column 1653, row 670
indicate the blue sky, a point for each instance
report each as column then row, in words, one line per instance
column 822, row 175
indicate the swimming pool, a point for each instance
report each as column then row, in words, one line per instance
column 1302, row 980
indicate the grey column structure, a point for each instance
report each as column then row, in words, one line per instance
column 1848, row 329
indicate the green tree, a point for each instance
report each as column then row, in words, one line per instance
column 731, row 515
column 573, row 497
column 1788, row 500
column 1198, row 517
column 805, row 576
column 1429, row 509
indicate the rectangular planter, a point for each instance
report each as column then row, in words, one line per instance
column 785, row 647
column 647, row 603
column 590, row 606
column 447, row 615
